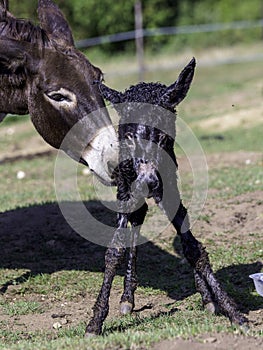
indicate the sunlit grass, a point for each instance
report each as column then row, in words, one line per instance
column 21, row 308
column 231, row 182
column 129, row 332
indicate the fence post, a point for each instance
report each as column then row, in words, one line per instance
column 139, row 38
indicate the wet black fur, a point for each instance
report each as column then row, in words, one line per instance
column 138, row 176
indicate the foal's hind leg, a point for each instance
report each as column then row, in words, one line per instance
column 210, row 289
column 130, row 281
column 206, row 282
column 113, row 258
column 200, row 283
column 207, row 297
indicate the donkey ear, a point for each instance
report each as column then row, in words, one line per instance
column 176, row 92
column 54, row 23
column 4, row 5
column 111, row 95
column 3, row 8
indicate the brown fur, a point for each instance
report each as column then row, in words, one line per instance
column 38, row 59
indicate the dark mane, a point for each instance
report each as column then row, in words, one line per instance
column 24, row 30
column 145, row 92
column 15, row 80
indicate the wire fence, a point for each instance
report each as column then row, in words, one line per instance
column 201, row 28
column 139, row 33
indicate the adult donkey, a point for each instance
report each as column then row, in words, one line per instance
column 43, row 74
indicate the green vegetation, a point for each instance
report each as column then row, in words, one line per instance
column 233, row 181
column 144, row 333
column 39, row 182
column 21, row 308
column 92, row 18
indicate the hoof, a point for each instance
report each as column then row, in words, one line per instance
column 243, row 323
column 211, row 307
column 92, row 331
column 244, row 328
column 126, row 308
column 90, row 335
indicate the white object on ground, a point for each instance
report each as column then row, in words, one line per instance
column 258, row 281
column 20, row 175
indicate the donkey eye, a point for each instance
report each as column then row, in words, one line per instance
column 62, row 98
column 101, row 77
column 59, row 97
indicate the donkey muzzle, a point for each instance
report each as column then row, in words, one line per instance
column 101, row 154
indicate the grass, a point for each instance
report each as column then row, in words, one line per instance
column 231, row 182
column 144, row 333
column 21, row 308
column 32, row 292
column 39, row 182
column 130, row 332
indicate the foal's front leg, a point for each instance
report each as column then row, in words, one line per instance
column 130, row 281
column 113, row 258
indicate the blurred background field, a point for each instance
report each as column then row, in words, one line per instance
column 91, row 18
column 223, row 107
column 225, row 36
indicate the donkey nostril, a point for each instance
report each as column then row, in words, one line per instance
column 83, row 161
column 112, row 167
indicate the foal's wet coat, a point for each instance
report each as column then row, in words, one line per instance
column 146, row 134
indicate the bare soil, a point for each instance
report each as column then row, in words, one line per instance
column 212, row 342
column 245, row 117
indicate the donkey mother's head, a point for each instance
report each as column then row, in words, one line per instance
column 43, row 74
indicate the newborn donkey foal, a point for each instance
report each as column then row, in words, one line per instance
column 146, row 136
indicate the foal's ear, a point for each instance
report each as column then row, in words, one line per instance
column 54, row 23
column 176, row 92
column 111, row 95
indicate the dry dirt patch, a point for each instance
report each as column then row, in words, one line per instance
column 212, row 342
column 240, row 215
column 245, row 118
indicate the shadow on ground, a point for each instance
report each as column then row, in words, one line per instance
column 39, row 239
